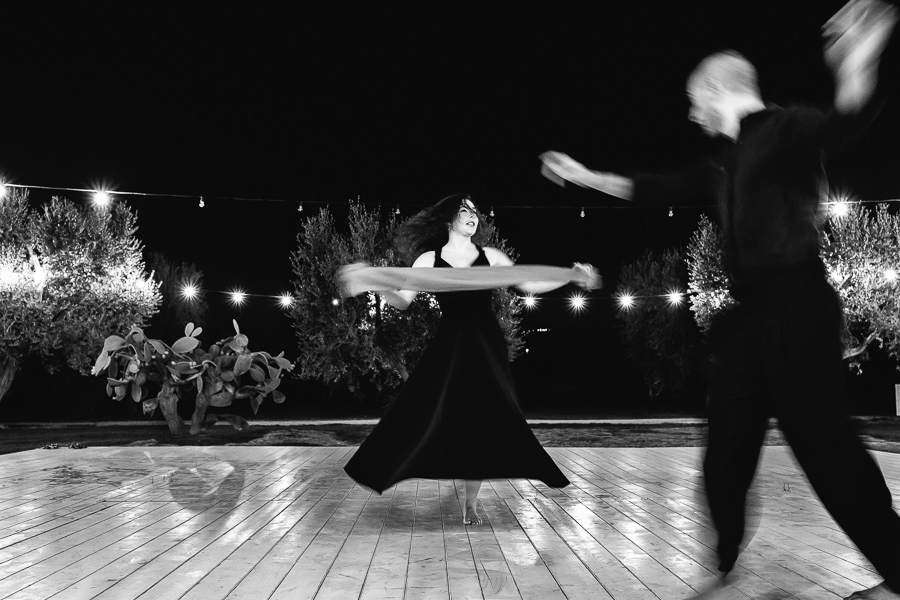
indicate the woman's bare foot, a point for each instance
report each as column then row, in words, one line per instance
column 471, row 502
column 471, row 517
column 879, row 592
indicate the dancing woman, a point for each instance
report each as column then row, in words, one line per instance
column 457, row 416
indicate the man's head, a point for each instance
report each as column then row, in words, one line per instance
column 718, row 88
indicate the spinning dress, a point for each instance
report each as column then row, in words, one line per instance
column 457, row 416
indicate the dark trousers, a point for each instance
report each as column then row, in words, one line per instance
column 778, row 353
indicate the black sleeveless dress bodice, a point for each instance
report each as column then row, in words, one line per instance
column 457, row 416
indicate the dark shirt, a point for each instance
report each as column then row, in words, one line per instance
column 767, row 186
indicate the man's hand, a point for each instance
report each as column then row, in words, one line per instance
column 559, row 167
column 562, row 166
column 855, row 37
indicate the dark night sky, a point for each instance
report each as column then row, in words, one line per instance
column 398, row 107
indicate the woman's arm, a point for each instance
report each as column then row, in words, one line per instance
column 583, row 275
column 401, row 299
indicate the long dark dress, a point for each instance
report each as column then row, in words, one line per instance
column 457, row 416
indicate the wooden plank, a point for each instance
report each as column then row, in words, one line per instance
column 574, row 578
column 532, row 576
column 465, row 577
column 386, row 575
column 282, row 522
column 426, row 576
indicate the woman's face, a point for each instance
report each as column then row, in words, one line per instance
column 466, row 222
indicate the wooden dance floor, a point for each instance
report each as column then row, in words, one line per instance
column 204, row 523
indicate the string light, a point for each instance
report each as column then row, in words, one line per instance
column 582, row 212
column 577, row 303
column 530, row 301
column 335, row 301
column 675, row 298
column 671, row 212
column 625, row 300
column 492, row 212
column 189, row 291
column 839, row 208
column 202, row 204
column 101, row 198
column 628, row 301
column 238, row 297
column 192, row 197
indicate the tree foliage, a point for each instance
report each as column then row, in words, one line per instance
column 69, row 276
column 861, row 252
column 707, row 281
column 659, row 335
column 176, row 309
column 363, row 343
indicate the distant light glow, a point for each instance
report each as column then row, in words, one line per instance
column 189, row 291
column 238, row 297
column 8, row 276
column 40, row 275
column 577, row 303
column 286, row 300
column 675, row 298
column 890, row 274
column 530, row 301
column 101, row 198
column 335, row 301
column 840, row 208
column 626, row 301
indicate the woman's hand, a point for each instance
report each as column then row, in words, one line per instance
column 589, row 278
column 347, row 281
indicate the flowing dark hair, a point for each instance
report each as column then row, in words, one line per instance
column 428, row 229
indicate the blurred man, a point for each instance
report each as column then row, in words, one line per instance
column 778, row 351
